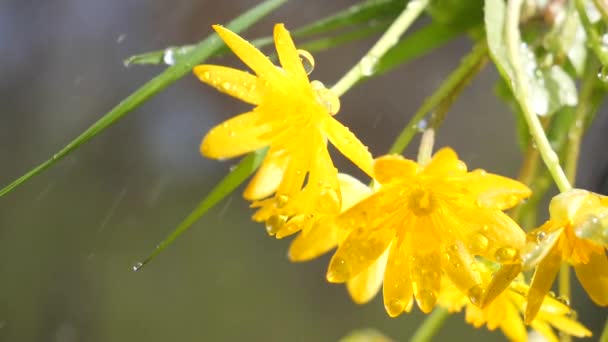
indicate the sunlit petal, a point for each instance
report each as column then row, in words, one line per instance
column 494, row 191
column 594, row 277
column 394, row 167
column 235, row 137
column 445, row 162
column 236, row 83
column 397, row 288
column 364, row 286
column 268, row 177
column 348, row 144
column 288, row 55
column 320, row 238
column 545, row 273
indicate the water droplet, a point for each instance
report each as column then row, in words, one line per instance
column 121, row 38
column 367, row 65
column 422, row 125
column 274, row 223
column 137, row 266
column 541, row 236
column 564, row 300
column 394, row 307
column 169, row 56
column 226, row 86
column 475, row 294
column 231, row 133
column 478, row 243
column 308, row 62
column 506, row 255
column 282, row 200
column 426, row 300
column 326, row 97
column 339, row 271
column 602, row 74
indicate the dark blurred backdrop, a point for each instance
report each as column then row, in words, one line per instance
column 69, row 238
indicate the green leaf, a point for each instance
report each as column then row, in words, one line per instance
column 365, row 13
column 225, row 187
column 550, row 88
column 457, row 12
column 417, row 44
column 202, row 51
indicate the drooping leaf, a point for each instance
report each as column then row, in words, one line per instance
column 223, row 188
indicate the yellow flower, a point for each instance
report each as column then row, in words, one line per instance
column 294, row 118
column 320, row 235
column 557, row 241
column 505, row 312
column 433, row 219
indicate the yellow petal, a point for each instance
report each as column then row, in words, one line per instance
column 594, row 277
column 474, row 316
column 364, row 286
column 248, row 53
column 394, row 167
column 313, row 242
column 541, row 283
column 268, row 177
column 463, row 271
column 348, row 144
column 512, row 325
column 565, row 324
column 493, row 191
column 501, row 279
column 322, row 185
column 288, row 55
column 353, row 191
column 235, row 83
column 296, row 171
column 445, row 162
column 425, row 270
column 544, row 329
column 360, row 249
column 397, row 288
column 235, row 137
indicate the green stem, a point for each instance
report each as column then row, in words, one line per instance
column 593, row 38
column 513, row 42
column 470, row 65
column 367, row 64
column 431, row 325
column 184, row 66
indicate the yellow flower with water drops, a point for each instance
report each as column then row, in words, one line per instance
column 320, row 235
column 557, row 240
column 506, row 310
column 293, row 117
column 433, row 219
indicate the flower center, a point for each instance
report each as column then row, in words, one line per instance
column 422, row 202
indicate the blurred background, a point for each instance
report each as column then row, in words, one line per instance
column 69, row 238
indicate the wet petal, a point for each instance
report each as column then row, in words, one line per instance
column 364, row 286
column 360, row 249
column 493, row 191
column 463, row 271
column 501, row 279
column 288, row 55
column 320, row 238
column 594, row 277
column 397, row 288
column 268, row 177
column 322, row 186
column 235, row 137
column 445, row 162
column 425, row 270
column 233, row 82
column 248, row 53
column 543, row 278
column 348, row 144
column 394, row 167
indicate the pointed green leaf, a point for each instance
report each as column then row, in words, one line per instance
column 365, row 13
column 202, row 51
column 225, row 187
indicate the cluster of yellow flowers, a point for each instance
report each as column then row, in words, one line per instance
column 429, row 230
